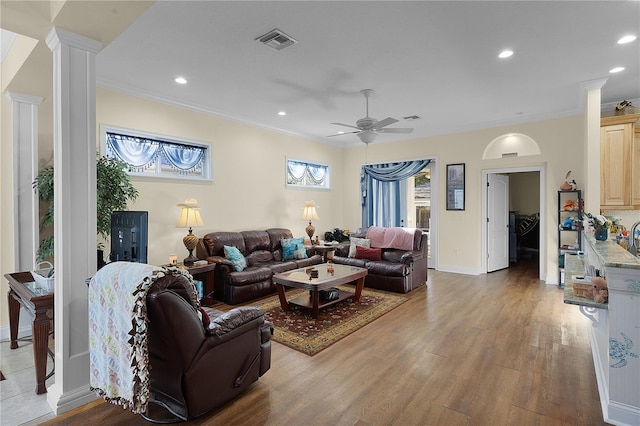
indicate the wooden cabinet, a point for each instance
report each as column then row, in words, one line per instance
column 619, row 162
column 635, row 168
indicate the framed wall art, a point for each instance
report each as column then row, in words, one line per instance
column 455, row 186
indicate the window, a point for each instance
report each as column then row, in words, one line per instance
column 422, row 198
column 307, row 175
column 158, row 156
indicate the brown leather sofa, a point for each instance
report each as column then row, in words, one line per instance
column 195, row 368
column 263, row 253
column 399, row 271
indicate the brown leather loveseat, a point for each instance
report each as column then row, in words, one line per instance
column 194, row 367
column 397, row 270
column 263, row 253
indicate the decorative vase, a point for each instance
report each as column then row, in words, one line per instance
column 602, row 233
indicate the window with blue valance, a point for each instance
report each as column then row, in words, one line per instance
column 305, row 174
column 157, row 156
column 382, row 189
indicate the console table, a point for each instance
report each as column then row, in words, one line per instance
column 24, row 291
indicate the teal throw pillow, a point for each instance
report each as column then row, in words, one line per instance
column 236, row 258
column 293, row 248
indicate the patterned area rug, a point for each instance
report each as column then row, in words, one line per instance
column 299, row 331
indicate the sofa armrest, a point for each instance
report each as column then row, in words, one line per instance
column 219, row 260
column 342, row 249
column 233, row 319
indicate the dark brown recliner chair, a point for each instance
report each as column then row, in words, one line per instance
column 194, row 368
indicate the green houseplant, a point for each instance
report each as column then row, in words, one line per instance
column 114, row 190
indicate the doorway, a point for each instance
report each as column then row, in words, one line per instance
column 521, row 198
column 421, row 207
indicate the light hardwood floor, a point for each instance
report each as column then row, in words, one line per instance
column 494, row 349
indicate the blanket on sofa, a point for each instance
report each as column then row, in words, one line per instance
column 396, row 237
column 119, row 358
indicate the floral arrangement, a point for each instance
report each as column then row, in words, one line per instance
column 598, row 225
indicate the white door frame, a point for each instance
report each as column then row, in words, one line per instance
column 433, row 226
column 543, row 203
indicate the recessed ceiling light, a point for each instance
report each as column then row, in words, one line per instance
column 505, row 54
column 282, row 113
column 180, row 80
column 627, row 39
column 341, row 132
column 616, row 69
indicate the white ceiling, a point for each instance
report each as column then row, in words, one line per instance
column 437, row 60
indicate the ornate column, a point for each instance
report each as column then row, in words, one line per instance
column 74, row 154
column 25, row 169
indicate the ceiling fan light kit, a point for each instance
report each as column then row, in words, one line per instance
column 368, row 127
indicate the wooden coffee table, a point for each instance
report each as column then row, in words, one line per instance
column 301, row 278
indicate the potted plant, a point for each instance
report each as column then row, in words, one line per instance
column 114, row 191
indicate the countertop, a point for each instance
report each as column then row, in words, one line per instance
column 574, row 265
column 612, row 255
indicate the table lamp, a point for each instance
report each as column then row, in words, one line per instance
column 189, row 217
column 309, row 213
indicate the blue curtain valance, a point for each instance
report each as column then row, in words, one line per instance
column 380, row 191
column 142, row 153
column 298, row 169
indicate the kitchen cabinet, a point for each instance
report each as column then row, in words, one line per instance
column 619, row 162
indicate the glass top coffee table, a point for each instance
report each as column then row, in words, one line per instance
column 327, row 278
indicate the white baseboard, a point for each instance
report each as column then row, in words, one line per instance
column 459, row 270
column 63, row 402
column 24, row 326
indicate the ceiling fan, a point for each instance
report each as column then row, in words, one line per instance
column 368, row 127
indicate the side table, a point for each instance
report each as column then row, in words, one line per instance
column 24, row 291
column 321, row 249
column 204, row 273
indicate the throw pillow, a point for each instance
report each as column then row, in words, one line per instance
column 293, row 248
column 363, row 242
column 368, row 253
column 237, row 259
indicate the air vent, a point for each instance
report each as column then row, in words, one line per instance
column 277, row 40
column 411, row 117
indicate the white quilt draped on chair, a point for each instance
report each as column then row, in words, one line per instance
column 119, row 359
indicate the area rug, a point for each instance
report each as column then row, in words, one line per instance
column 298, row 330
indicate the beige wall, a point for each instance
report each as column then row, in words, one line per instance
column 248, row 189
column 524, row 192
column 460, row 232
column 7, row 259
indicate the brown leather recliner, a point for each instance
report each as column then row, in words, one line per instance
column 195, row 368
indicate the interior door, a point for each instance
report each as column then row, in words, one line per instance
column 497, row 222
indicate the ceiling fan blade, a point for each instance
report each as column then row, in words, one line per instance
column 396, row 130
column 342, row 134
column 385, row 122
column 346, row 125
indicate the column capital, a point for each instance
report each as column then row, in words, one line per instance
column 596, row 83
column 59, row 36
column 27, row 99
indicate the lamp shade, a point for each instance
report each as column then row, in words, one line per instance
column 189, row 214
column 309, row 211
